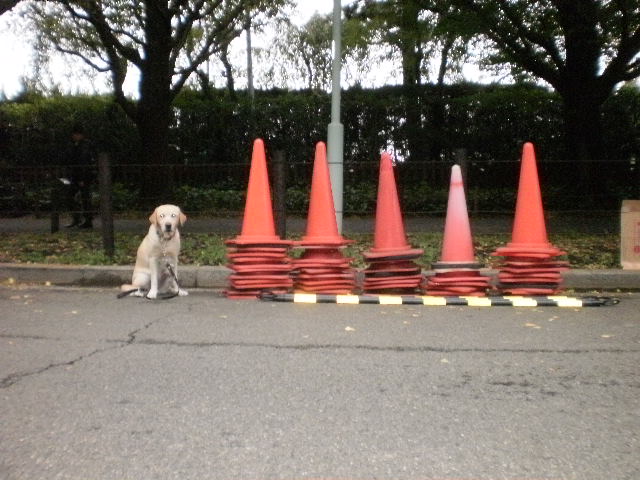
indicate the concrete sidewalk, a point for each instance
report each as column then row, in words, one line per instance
column 216, row 277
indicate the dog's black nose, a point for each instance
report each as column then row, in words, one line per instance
column 167, row 227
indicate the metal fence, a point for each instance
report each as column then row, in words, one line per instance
column 219, row 189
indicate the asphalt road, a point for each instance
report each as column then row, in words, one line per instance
column 202, row 387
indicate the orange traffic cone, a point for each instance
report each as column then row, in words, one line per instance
column 529, row 268
column 258, row 226
column 258, row 257
column 529, row 229
column 457, row 272
column 322, row 227
column 322, row 268
column 389, row 236
column 457, row 245
column 391, row 266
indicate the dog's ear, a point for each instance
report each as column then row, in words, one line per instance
column 183, row 218
column 154, row 218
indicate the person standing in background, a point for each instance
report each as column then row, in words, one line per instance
column 82, row 173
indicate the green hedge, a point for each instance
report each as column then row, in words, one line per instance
column 490, row 122
column 211, row 140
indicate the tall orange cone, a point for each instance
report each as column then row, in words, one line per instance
column 391, row 266
column 457, row 272
column 529, row 225
column 529, row 229
column 258, row 257
column 322, row 227
column 389, row 235
column 457, row 245
column 258, row 225
column 322, row 268
column 529, row 267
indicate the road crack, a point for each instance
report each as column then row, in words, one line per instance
column 14, row 378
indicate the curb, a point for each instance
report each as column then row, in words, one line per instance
column 216, row 277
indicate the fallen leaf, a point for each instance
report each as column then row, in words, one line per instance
column 607, row 336
column 444, row 360
column 350, row 329
column 532, row 325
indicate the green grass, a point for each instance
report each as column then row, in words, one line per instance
column 85, row 248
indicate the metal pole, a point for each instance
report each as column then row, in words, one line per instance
column 250, row 90
column 247, row 26
column 335, row 133
column 106, row 203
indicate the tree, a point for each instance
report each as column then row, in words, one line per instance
column 151, row 35
column 417, row 30
column 301, row 55
column 583, row 49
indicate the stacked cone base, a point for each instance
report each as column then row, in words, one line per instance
column 258, row 267
column 531, row 275
column 395, row 273
column 324, row 269
column 454, row 281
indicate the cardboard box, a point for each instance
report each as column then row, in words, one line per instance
column 630, row 235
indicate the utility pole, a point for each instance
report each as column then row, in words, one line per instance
column 335, row 133
column 250, row 90
column 247, row 27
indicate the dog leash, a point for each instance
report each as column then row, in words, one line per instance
column 128, row 292
column 162, row 296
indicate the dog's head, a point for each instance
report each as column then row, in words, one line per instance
column 167, row 219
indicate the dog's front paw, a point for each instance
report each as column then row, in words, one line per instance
column 138, row 293
column 182, row 293
column 152, row 294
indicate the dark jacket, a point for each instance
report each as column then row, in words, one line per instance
column 81, row 162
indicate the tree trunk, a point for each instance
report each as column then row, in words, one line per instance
column 583, row 135
column 154, row 106
column 412, row 55
column 153, row 128
column 228, row 73
column 438, row 115
column 582, row 92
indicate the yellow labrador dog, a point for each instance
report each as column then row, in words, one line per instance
column 156, row 268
